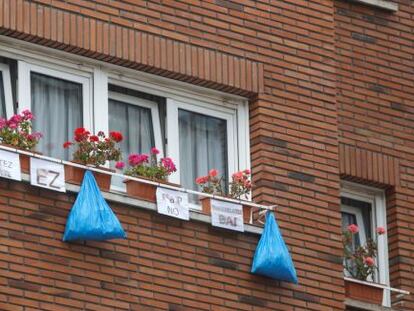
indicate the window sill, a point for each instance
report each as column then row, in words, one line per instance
column 381, row 4
column 122, row 198
column 355, row 293
column 400, row 291
column 354, row 305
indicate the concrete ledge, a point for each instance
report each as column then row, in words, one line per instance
column 382, row 4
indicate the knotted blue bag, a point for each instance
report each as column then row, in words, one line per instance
column 90, row 217
column 272, row 258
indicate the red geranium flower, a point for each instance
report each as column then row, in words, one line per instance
column 117, row 136
column 94, row 138
column 67, row 144
column 80, row 131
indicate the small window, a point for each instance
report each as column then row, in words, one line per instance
column 6, row 98
column 365, row 207
column 358, row 213
column 60, row 102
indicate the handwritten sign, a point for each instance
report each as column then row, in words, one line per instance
column 173, row 203
column 227, row 215
column 46, row 174
column 10, row 165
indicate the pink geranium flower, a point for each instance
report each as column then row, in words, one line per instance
column 119, row 165
column 169, row 165
column 17, row 131
column 213, row 172
column 154, row 150
column 369, row 261
column 380, row 230
column 237, row 176
column 353, row 228
column 137, row 159
column 201, row 180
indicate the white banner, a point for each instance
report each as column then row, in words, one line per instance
column 227, row 215
column 173, row 203
column 10, row 165
column 46, row 174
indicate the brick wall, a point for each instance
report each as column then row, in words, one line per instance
column 165, row 264
column 374, row 53
column 293, row 59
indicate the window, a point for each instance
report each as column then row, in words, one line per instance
column 138, row 120
column 203, row 145
column 365, row 207
column 202, row 138
column 198, row 133
column 198, row 128
column 59, row 100
column 6, row 99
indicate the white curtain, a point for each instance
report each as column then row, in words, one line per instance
column 135, row 124
column 203, row 146
column 57, row 107
column 2, row 98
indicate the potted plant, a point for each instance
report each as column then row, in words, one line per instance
column 94, row 151
column 147, row 167
column 359, row 263
column 239, row 188
column 17, row 133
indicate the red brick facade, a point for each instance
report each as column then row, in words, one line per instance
column 330, row 85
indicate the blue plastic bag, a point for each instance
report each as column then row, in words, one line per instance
column 90, row 217
column 272, row 258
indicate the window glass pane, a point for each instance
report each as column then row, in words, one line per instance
column 350, row 219
column 364, row 208
column 159, row 101
column 2, row 98
column 57, row 106
column 135, row 123
column 203, row 146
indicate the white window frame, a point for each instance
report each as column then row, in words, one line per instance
column 235, row 111
column 376, row 197
column 156, row 124
column 8, row 95
column 95, row 76
column 60, row 72
column 198, row 107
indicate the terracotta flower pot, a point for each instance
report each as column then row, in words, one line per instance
column 206, row 208
column 143, row 191
column 363, row 292
column 25, row 162
column 74, row 175
column 24, row 159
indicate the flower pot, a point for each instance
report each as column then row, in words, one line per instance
column 143, row 191
column 364, row 292
column 24, row 158
column 206, row 208
column 74, row 175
